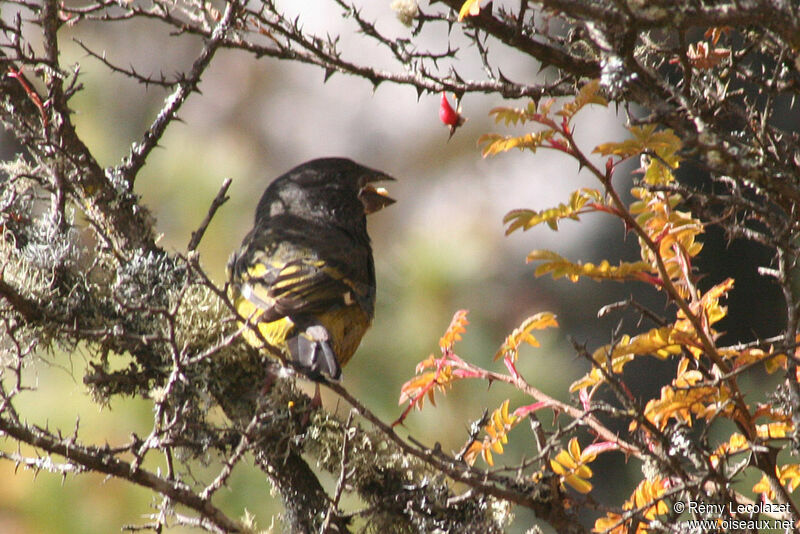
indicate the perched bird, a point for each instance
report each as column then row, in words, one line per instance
column 304, row 276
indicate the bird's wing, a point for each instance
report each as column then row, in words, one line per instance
column 299, row 286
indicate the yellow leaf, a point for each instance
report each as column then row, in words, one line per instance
column 469, row 8
column 563, row 457
column 583, row 471
column 571, row 466
column 664, row 144
column 578, row 484
column 645, row 137
column 674, row 231
column 774, row 430
column 515, row 115
column 624, row 149
column 504, row 411
column 558, row 267
column 527, row 219
column 522, row 334
column 688, row 379
column 790, row 476
column 775, row 363
column 736, row 443
column 473, row 451
column 646, row 496
column 588, row 94
column 454, row 331
column 426, row 383
column 762, row 486
column 500, row 423
column 684, row 403
column 659, row 342
column 574, row 448
column 496, row 143
column 610, row 524
column 595, row 376
column 557, row 468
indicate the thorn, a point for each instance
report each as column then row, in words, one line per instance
column 455, row 75
column 502, row 76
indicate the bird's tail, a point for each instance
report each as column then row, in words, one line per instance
column 312, row 353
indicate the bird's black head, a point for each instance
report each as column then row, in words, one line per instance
column 332, row 190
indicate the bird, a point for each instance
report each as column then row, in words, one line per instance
column 303, row 279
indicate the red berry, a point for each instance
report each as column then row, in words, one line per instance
column 447, row 114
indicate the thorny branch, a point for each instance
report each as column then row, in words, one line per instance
column 80, row 457
column 139, row 152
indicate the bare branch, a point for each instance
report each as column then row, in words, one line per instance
column 189, row 84
column 219, row 200
column 94, row 459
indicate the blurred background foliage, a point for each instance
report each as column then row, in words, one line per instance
column 439, row 249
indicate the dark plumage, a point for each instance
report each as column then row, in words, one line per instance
column 305, row 274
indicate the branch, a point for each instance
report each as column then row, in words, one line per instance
column 139, row 151
column 98, row 460
column 540, row 498
column 219, row 200
column 28, row 309
column 548, row 55
column 130, row 72
column 59, row 148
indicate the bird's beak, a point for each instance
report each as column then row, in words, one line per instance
column 375, row 198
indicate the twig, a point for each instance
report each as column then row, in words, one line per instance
column 489, row 483
column 219, row 200
column 244, row 445
column 139, row 151
column 32, row 94
column 130, row 72
column 343, row 474
column 96, row 459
